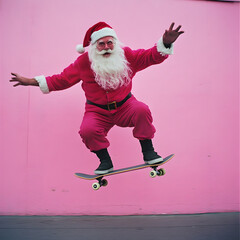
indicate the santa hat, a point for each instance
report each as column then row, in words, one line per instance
column 94, row 33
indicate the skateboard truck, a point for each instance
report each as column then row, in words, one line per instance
column 157, row 172
column 101, row 183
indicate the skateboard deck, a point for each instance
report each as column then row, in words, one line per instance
column 103, row 182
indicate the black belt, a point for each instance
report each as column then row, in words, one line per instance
column 113, row 105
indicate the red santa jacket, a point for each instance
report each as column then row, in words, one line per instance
column 80, row 71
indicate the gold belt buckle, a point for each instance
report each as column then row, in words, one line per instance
column 112, row 106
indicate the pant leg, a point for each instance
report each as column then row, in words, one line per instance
column 136, row 114
column 94, row 128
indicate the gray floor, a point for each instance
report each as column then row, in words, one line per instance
column 220, row 226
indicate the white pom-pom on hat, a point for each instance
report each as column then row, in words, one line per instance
column 80, row 48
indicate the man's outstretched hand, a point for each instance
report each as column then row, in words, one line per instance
column 171, row 35
column 22, row 81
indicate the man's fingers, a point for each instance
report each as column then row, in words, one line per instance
column 177, row 29
column 17, row 84
column 15, row 79
column 171, row 27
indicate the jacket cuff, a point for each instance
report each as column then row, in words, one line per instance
column 162, row 49
column 42, row 83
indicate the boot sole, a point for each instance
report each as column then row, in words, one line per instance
column 98, row 172
column 157, row 160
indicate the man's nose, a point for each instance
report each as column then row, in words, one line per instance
column 106, row 47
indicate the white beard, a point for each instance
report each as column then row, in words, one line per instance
column 111, row 72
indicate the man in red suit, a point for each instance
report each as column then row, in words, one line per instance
column 106, row 72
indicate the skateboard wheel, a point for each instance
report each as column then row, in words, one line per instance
column 153, row 174
column 104, row 182
column 96, row 186
column 161, row 172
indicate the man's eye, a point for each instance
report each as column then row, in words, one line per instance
column 101, row 44
column 110, row 43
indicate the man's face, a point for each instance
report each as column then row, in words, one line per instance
column 105, row 43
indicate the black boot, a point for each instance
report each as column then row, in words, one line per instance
column 106, row 162
column 149, row 155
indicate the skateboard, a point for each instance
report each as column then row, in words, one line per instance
column 103, row 182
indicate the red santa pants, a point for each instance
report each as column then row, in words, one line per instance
column 97, row 122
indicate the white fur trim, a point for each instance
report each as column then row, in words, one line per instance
column 80, row 48
column 104, row 32
column 162, row 49
column 42, row 83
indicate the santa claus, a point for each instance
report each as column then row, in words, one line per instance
column 106, row 72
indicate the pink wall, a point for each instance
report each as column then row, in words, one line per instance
column 193, row 97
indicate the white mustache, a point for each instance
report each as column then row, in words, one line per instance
column 104, row 51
